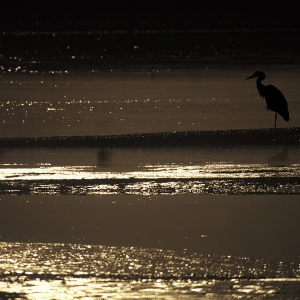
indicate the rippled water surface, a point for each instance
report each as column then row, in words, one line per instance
column 142, row 171
column 114, row 82
column 75, row 271
column 147, row 222
column 138, row 101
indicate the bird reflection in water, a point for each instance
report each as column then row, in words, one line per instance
column 280, row 158
column 103, row 157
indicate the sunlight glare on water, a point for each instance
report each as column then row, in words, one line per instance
column 139, row 202
column 174, row 170
column 211, row 171
column 171, row 179
column 135, row 102
column 70, row 271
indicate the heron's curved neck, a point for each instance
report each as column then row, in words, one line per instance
column 260, row 86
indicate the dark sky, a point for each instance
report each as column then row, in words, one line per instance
column 92, row 10
column 283, row 13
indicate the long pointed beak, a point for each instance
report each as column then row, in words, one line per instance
column 252, row 76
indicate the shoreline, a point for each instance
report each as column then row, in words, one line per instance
column 265, row 136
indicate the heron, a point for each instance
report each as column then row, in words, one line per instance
column 274, row 98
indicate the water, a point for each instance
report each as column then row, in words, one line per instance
column 194, row 170
column 98, row 270
column 150, row 216
column 121, row 82
column 140, row 101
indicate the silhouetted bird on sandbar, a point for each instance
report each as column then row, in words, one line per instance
column 274, row 98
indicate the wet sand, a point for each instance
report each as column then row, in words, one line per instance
column 262, row 227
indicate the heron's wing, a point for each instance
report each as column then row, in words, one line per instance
column 274, row 98
column 276, row 101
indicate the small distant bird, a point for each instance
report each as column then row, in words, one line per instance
column 274, row 98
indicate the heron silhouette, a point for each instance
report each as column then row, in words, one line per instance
column 274, row 98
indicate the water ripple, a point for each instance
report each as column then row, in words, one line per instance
column 74, row 271
column 213, row 178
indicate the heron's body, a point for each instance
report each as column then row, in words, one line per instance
column 274, row 98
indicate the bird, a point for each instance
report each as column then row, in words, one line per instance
column 274, row 98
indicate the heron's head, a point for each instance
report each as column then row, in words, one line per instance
column 258, row 74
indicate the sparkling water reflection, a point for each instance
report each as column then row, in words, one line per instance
column 73, row 271
column 55, row 84
column 144, row 171
column 133, row 101
column 217, row 178
column 149, row 172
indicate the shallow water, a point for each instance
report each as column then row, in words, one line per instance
column 263, row 227
column 63, row 271
column 167, row 222
column 151, row 171
column 53, row 83
column 140, row 101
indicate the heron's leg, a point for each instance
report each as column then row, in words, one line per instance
column 275, row 119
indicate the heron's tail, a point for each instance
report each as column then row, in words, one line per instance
column 286, row 116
